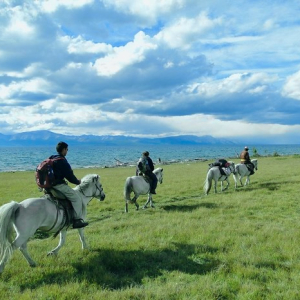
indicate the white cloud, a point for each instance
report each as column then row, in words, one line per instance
column 80, row 46
column 184, row 31
column 149, row 10
column 291, row 88
column 124, row 56
column 85, row 56
column 235, row 83
column 51, row 6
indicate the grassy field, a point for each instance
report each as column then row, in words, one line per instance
column 239, row 244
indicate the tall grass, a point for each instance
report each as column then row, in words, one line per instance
column 239, row 244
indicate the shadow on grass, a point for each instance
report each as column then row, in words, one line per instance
column 271, row 186
column 116, row 269
column 186, row 208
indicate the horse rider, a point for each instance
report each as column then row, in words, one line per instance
column 146, row 166
column 62, row 170
column 245, row 159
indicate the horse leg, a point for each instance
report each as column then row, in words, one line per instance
column 226, row 185
column 215, row 186
column 247, row 180
column 151, row 202
column 21, row 243
column 235, row 181
column 62, row 240
column 25, row 253
column 147, row 202
column 82, row 238
column 241, row 177
column 133, row 200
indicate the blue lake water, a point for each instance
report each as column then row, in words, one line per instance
column 27, row 158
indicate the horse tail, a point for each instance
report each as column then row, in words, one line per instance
column 7, row 216
column 208, row 182
column 127, row 189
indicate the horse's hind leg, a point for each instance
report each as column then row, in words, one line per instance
column 215, row 186
column 62, row 240
column 149, row 200
column 25, row 253
column 226, row 187
column 135, row 202
column 21, row 243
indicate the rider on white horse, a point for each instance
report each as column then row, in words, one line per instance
column 245, row 159
column 62, row 170
column 146, row 167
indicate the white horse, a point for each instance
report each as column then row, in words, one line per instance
column 139, row 186
column 215, row 174
column 42, row 213
column 241, row 170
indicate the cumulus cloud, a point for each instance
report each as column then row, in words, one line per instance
column 291, row 88
column 155, row 68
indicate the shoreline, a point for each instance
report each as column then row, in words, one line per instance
column 162, row 163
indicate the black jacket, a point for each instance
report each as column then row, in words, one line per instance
column 62, row 170
column 150, row 164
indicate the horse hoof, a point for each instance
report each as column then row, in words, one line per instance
column 33, row 265
column 51, row 253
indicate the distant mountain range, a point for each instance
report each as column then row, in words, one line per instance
column 48, row 138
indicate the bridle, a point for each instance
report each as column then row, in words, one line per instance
column 95, row 194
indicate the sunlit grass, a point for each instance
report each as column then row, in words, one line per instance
column 239, row 244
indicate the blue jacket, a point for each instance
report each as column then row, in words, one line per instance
column 62, row 170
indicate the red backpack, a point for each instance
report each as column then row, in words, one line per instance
column 44, row 175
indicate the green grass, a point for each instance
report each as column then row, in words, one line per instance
column 239, row 244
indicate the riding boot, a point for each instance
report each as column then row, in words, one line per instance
column 79, row 223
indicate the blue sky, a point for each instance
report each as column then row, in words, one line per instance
column 155, row 68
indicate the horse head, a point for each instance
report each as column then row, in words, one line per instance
column 254, row 161
column 159, row 174
column 91, row 184
column 231, row 166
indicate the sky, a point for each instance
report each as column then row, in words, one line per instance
column 152, row 68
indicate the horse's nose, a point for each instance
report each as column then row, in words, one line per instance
column 102, row 197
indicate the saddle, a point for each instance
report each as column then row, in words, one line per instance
column 61, row 202
column 221, row 163
column 146, row 178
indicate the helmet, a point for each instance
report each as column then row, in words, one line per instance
column 246, row 148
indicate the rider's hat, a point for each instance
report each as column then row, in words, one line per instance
column 246, row 148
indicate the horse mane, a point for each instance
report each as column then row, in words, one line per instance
column 157, row 170
column 86, row 180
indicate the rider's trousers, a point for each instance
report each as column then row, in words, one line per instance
column 72, row 196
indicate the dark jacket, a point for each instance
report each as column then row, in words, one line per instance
column 62, row 170
column 150, row 164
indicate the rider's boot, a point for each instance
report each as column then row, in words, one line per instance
column 79, row 223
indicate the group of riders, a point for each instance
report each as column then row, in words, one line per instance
column 63, row 171
column 245, row 159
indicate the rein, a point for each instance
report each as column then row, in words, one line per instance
column 97, row 188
